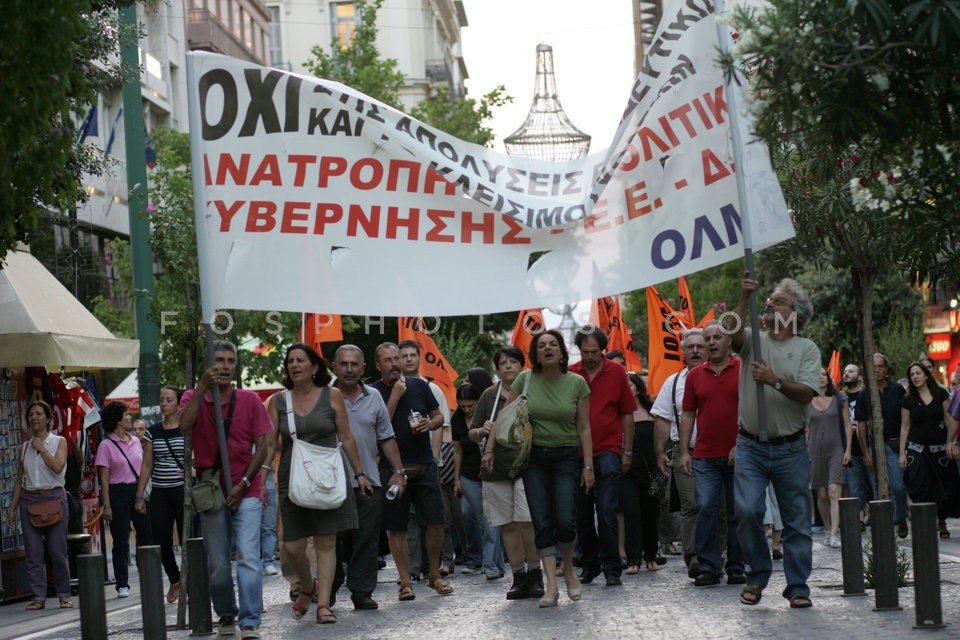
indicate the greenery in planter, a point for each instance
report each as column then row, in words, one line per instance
column 903, row 565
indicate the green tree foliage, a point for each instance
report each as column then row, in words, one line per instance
column 461, row 116
column 360, row 65
column 55, row 60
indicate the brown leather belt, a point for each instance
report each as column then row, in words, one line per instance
column 796, row 435
column 54, row 489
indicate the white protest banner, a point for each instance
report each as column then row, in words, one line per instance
column 313, row 196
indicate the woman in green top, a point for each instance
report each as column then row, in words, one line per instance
column 559, row 406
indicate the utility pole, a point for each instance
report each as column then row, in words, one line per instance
column 148, row 372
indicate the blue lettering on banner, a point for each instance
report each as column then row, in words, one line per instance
column 669, row 247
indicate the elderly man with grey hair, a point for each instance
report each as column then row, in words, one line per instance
column 787, row 372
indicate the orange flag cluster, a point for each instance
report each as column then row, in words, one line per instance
column 834, row 369
column 529, row 323
column 666, row 328
column 432, row 363
column 605, row 313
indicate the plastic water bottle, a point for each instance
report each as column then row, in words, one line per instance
column 392, row 492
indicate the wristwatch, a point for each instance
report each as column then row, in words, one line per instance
column 402, row 472
column 778, row 385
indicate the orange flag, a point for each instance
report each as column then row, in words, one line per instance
column 833, row 369
column 686, row 303
column 707, row 317
column 666, row 330
column 529, row 323
column 433, row 365
column 605, row 313
column 318, row 328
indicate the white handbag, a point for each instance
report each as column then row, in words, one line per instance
column 317, row 476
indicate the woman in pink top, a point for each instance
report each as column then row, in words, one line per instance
column 119, row 460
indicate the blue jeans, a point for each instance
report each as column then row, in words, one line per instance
column 713, row 482
column 551, row 482
column 489, row 536
column 861, row 481
column 243, row 528
column 897, row 487
column 787, row 467
column 599, row 545
column 268, row 524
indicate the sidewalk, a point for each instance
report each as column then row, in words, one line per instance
column 658, row 605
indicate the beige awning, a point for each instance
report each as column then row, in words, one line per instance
column 43, row 325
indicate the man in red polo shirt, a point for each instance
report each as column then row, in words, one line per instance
column 711, row 397
column 611, row 424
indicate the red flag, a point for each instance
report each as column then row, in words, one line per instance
column 686, row 303
column 666, row 330
column 833, row 369
column 529, row 323
column 320, row 327
column 432, row 363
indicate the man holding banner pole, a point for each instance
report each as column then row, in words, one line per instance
column 787, row 372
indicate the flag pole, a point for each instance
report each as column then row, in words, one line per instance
column 206, row 293
column 731, row 91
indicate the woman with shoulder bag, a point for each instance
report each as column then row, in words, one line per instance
column 41, row 472
column 119, row 463
column 163, row 466
column 559, row 409
column 504, row 498
column 319, row 417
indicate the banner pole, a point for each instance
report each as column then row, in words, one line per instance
column 733, row 111
column 199, row 214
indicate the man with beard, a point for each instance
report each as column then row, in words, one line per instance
column 414, row 413
column 666, row 415
column 861, row 478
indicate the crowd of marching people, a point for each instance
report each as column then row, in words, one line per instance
column 544, row 468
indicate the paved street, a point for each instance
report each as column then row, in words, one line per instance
column 649, row 605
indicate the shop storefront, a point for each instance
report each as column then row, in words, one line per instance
column 50, row 349
column 942, row 329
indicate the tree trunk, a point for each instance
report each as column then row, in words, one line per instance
column 863, row 283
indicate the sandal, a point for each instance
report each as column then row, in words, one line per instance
column 325, row 618
column 800, row 602
column 173, row 593
column 66, row 603
column 632, row 570
column 944, row 532
column 653, row 566
column 751, row 594
column 300, row 610
column 36, row 605
column 442, row 587
column 406, row 593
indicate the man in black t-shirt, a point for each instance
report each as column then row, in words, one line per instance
column 861, row 478
column 414, row 413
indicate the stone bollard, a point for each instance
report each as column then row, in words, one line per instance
column 851, row 551
column 926, row 566
column 886, row 595
column 93, row 602
column 198, row 589
column 151, row 593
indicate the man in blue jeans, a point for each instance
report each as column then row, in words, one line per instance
column 247, row 426
column 861, row 479
column 611, row 426
column 710, row 399
column 773, row 449
column 891, row 400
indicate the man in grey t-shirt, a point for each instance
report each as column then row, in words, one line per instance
column 774, row 451
column 371, row 427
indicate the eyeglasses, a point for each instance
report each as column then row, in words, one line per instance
column 780, row 302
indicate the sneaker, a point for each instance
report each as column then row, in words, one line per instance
column 227, row 626
column 707, row 580
column 381, row 562
column 693, row 570
column 123, row 592
column 902, row 530
column 270, row 570
column 827, row 541
column 613, row 581
column 777, row 554
column 816, row 528
column 469, row 571
column 249, row 632
column 835, row 542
